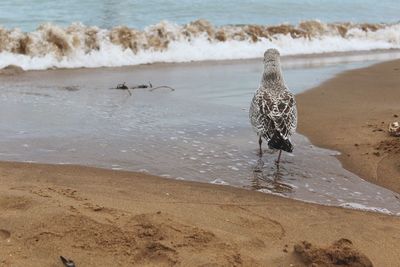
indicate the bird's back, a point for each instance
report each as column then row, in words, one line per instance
column 273, row 114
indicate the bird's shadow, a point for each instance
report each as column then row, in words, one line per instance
column 269, row 178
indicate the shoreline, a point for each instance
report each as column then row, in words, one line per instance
column 352, row 116
column 59, row 75
column 204, row 123
column 291, row 61
column 130, row 218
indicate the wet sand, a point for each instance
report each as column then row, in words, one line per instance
column 103, row 217
column 351, row 113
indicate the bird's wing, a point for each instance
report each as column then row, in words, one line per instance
column 279, row 113
column 258, row 118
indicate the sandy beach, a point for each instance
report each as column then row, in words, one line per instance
column 102, row 218
column 351, row 113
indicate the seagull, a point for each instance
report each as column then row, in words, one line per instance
column 273, row 112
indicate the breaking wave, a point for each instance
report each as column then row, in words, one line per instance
column 52, row 46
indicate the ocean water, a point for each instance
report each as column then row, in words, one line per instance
column 28, row 15
column 72, row 34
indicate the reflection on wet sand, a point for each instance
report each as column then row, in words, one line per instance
column 270, row 179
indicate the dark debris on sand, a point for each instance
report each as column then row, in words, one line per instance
column 11, row 70
column 340, row 253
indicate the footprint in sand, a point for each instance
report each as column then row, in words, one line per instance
column 341, row 252
column 15, row 203
column 4, row 234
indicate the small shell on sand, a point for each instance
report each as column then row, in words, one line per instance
column 394, row 129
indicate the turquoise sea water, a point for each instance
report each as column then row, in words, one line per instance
column 27, row 15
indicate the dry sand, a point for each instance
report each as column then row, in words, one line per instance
column 113, row 218
column 351, row 113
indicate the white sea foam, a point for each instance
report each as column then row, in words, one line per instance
column 51, row 46
column 358, row 206
column 219, row 181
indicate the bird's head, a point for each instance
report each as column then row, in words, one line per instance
column 272, row 67
column 271, row 57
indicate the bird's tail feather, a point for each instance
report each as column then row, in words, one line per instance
column 278, row 142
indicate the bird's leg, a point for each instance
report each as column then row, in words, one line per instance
column 279, row 158
column 260, row 143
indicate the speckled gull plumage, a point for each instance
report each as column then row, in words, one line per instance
column 273, row 112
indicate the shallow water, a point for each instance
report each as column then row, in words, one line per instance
column 198, row 132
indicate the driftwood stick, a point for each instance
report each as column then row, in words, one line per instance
column 123, row 86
